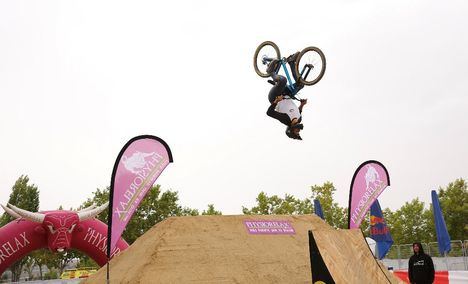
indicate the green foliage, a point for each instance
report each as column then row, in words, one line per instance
column 211, row 211
column 99, row 197
column 60, row 260
column 24, row 196
column 186, row 211
column 29, row 266
column 454, row 204
column 413, row 222
column 365, row 224
column 53, row 261
column 155, row 207
column 276, row 205
column 42, row 257
column 52, row 274
column 410, row 223
column 335, row 215
column 87, row 262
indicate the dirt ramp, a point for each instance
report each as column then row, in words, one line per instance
column 228, row 249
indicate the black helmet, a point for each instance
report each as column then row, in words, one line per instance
column 291, row 134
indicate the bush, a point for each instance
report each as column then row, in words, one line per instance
column 52, row 274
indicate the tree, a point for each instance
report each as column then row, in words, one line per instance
column 454, row 204
column 410, row 223
column 60, row 260
column 26, row 197
column 85, row 261
column 211, row 211
column 276, row 205
column 154, row 208
column 29, row 266
column 335, row 215
column 186, row 211
column 42, row 257
column 365, row 224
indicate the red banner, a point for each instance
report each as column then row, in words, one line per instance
column 441, row 277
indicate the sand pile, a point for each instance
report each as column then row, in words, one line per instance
column 220, row 249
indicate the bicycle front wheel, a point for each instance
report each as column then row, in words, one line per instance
column 264, row 53
column 310, row 65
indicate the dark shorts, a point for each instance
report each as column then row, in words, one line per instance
column 278, row 88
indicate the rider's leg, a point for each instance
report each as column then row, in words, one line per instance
column 292, row 63
column 278, row 88
column 273, row 66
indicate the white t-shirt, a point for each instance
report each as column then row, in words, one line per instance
column 288, row 107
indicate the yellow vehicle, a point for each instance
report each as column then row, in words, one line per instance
column 82, row 272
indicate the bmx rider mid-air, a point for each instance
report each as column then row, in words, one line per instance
column 306, row 67
column 282, row 107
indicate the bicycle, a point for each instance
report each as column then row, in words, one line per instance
column 309, row 65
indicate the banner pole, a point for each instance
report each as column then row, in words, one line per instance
column 138, row 148
column 108, row 280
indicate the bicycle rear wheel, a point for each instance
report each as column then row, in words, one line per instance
column 310, row 65
column 264, row 53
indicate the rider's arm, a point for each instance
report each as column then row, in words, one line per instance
column 282, row 117
column 303, row 102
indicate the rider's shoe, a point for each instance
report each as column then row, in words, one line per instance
column 272, row 66
column 298, row 85
column 292, row 64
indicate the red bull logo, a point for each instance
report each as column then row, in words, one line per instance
column 378, row 226
column 374, row 220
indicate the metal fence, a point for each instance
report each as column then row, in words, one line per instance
column 457, row 259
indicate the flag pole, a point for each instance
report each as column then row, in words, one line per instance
column 446, row 260
column 108, row 280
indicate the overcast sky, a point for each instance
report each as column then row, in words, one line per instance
column 78, row 79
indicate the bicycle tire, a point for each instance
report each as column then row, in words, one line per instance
column 257, row 51
column 322, row 71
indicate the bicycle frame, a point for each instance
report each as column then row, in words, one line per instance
column 290, row 85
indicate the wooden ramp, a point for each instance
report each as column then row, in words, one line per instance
column 221, row 249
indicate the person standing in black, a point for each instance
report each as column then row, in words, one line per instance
column 420, row 266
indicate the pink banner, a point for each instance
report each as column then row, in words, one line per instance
column 137, row 167
column 269, row 227
column 369, row 180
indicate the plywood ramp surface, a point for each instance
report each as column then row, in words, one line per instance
column 349, row 259
column 218, row 249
